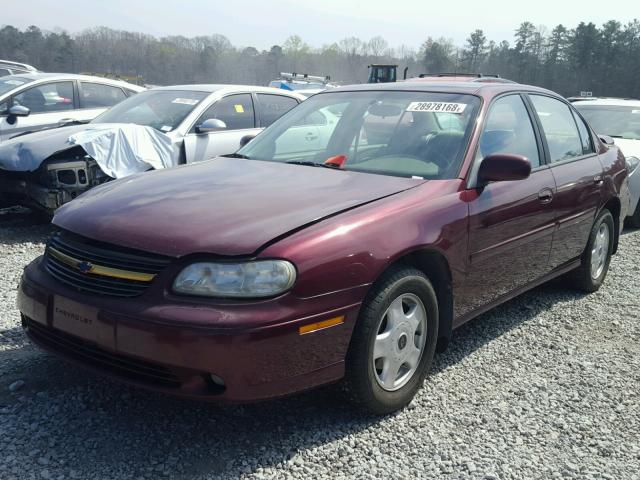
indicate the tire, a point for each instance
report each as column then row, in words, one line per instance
column 398, row 317
column 597, row 255
column 634, row 220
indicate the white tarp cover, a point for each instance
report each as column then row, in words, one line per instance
column 124, row 149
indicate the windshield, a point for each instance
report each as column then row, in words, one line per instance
column 163, row 110
column 613, row 120
column 407, row 134
column 9, row 83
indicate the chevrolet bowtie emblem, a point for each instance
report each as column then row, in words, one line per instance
column 85, row 267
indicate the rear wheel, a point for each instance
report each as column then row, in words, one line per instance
column 597, row 255
column 393, row 342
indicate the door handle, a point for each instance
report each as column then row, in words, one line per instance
column 545, row 195
column 598, row 179
column 310, row 136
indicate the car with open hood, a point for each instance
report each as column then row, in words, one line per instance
column 292, row 264
column 619, row 118
column 159, row 128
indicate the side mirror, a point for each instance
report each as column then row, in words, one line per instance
column 246, row 139
column 606, row 139
column 501, row 167
column 211, row 125
column 19, row 111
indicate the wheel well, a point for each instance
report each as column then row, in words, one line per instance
column 613, row 205
column 435, row 266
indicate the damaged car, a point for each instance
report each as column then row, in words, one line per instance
column 158, row 128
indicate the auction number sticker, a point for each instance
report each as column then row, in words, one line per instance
column 185, row 101
column 445, row 107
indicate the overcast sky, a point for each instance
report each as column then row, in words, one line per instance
column 262, row 23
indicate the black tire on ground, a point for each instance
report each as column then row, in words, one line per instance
column 590, row 276
column 361, row 382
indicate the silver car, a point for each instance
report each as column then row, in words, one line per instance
column 619, row 118
column 43, row 170
column 33, row 101
column 8, row 67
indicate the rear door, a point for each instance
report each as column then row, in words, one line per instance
column 238, row 113
column 95, row 98
column 51, row 104
column 577, row 172
column 270, row 107
column 511, row 223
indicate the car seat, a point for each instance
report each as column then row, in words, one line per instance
column 34, row 100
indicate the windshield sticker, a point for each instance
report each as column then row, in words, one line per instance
column 635, row 111
column 185, row 101
column 239, row 108
column 13, row 82
column 166, row 128
column 436, row 107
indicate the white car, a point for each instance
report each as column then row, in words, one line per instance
column 620, row 119
column 33, row 101
column 8, row 67
column 43, row 170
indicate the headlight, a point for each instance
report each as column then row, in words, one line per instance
column 260, row 278
column 632, row 163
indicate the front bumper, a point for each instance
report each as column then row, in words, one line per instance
column 634, row 190
column 175, row 347
column 17, row 190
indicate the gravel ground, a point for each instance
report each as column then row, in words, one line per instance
column 545, row 386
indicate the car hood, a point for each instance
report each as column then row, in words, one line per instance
column 224, row 206
column 629, row 147
column 25, row 153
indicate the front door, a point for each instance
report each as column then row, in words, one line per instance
column 511, row 224
column 50, row 104
column 237, row 112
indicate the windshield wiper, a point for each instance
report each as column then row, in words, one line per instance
column 314, row 164
column 237, row 155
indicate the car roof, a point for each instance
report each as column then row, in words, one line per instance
column 223, row 88
column 470, row 88
column 18, row 66
column 620, row 102
column 35, row 76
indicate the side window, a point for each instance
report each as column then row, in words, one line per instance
column 235, row 110
column 315, row 118
column 559, row 128
column 51, row 97
column 4, row 71
column 272, row 107
column 95, row 95
column 585, row 136
column 508, row 129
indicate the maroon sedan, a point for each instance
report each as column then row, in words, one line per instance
column 345, row 242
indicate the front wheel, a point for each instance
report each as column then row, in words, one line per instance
column 394, row 341
column 597, row 255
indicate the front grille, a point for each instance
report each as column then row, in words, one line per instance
column 92, row 355
column 101, row 268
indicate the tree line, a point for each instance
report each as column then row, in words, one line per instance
column 604, row 60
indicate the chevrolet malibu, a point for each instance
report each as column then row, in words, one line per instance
column 301, row 261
